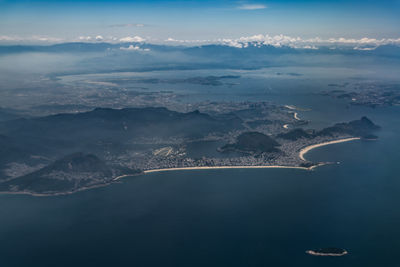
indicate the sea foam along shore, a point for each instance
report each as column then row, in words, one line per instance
column 308, row 148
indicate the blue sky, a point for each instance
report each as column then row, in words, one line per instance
column 198, row 20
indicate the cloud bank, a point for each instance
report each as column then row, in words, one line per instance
column 135, row 39
column 241, row 42
column 33, row 38
column 293, row 42
column 308, row 43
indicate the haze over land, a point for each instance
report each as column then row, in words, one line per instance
column 149, row 108
column 199, row 133
column 234, row 100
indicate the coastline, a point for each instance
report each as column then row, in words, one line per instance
column 306, row 149
column 122, row 176
column 313, row 253
column 28, row 193
column 230, row 167
column 302, row 152
column 116, row 179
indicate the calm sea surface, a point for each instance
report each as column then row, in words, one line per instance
column 264, row 217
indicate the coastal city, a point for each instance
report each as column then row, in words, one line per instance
column 132, row 141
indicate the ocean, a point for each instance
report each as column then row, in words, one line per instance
column 237, row 217
column 247, row 217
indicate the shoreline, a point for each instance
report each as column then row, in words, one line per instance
column 28, row 193
column 313, row 253
column 230, row 167
column 123, row 176
column 306, row 149
column 116, row 179
column 302, row 152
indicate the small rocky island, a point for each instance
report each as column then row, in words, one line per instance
column 327, row 252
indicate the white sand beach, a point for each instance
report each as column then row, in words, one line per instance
column 226, row 167
column 308, row 148
column 301, row 156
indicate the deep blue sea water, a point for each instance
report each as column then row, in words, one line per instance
column 259, row 217
column 264, row 217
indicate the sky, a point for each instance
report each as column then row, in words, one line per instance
column 195, row 21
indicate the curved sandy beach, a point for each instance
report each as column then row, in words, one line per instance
column 308, row 148
column 226, row 167
column 301, row 156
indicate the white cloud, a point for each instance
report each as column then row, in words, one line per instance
column 365, row 48
column 173, row 40
column 34, row 38
column 135, row 39
column 293, row 42
column 47, row 39
column 198, row 42
column 134, row 48
column 9, row 38
column 252, row 6
column 311, row 43
column 85, row 38
column 242, row 42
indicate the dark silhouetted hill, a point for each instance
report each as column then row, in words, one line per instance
column 252, row 142
column 65, row 175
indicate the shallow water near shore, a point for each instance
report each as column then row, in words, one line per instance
column 246, row 217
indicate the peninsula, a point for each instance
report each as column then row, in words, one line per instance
column 66, row 153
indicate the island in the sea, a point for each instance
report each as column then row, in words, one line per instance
column 334, row 252
column 69, row 152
